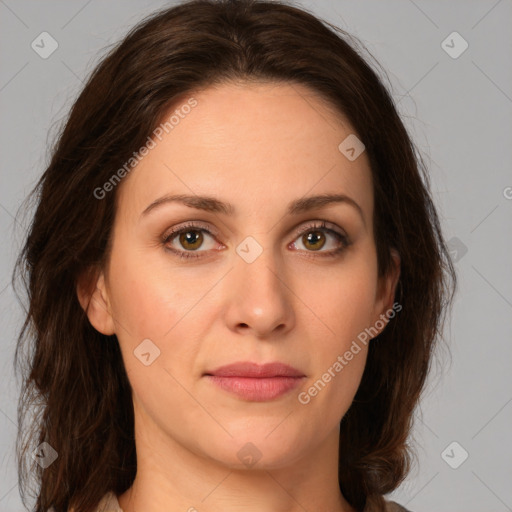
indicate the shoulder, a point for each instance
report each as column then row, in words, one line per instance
column 108, row 503
column 392, row 506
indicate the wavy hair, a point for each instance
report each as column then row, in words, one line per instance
column 76, row 395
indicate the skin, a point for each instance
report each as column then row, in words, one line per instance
column 257, row 146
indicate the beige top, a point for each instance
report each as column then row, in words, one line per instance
column 109, row 503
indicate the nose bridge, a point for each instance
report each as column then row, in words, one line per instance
column 259, row 298
column 258, row 270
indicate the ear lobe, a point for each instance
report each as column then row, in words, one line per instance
column 93, row 297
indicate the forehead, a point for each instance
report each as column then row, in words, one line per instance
column 255, row 145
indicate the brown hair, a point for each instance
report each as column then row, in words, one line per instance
column 74, row 376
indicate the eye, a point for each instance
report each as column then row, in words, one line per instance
column 186, row 241
column 315, row 236
column 189, row 237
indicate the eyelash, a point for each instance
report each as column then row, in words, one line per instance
column 314, row 226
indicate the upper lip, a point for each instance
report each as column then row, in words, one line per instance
column 250, row 369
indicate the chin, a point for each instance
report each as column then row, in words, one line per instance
column 258, row 450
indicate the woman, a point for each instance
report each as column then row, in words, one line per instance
column 232, row 216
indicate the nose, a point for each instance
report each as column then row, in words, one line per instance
column 258, row 297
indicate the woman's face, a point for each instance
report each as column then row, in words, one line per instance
column 264, row 282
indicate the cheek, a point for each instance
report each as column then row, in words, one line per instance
column 148, row 301
column 140, row 305
column 152, row 302
column 343, row 299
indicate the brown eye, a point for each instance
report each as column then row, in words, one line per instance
column 314, row 240
column 191, row 239
column 317, row 237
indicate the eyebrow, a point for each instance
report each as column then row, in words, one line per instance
column 211, row 204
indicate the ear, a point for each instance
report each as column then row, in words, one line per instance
column 386, row 290
column 93, row 297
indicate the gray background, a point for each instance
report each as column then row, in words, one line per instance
column 458, row 111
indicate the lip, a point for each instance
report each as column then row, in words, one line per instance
column 250, row 369
column 255, row 382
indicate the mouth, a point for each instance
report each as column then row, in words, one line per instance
column 254, row 382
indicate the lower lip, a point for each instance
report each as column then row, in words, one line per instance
column 257, row 389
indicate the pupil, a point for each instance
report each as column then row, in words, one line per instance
column 314, row 235
column 188, row 238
